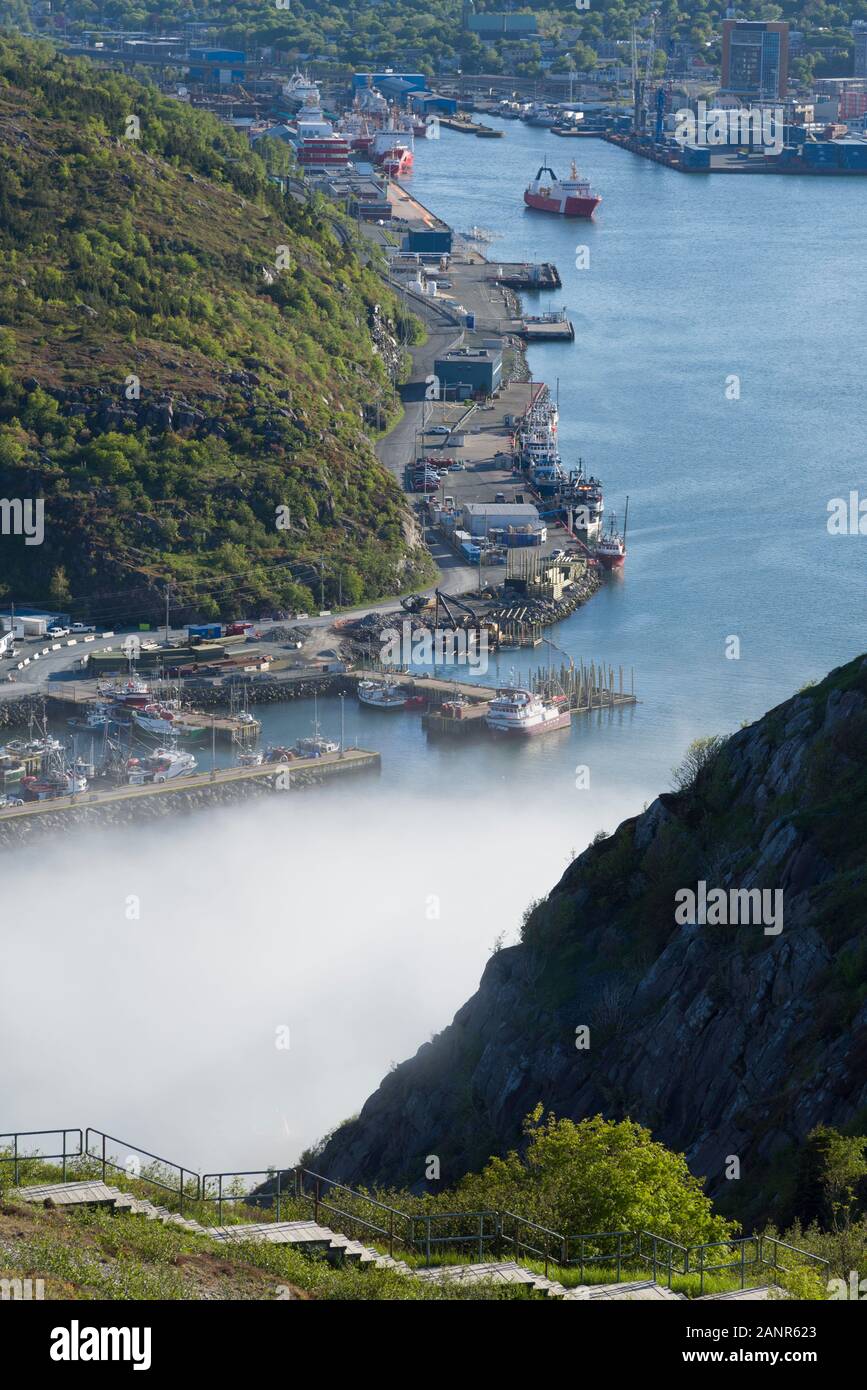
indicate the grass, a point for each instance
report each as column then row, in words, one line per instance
column 95, row 1253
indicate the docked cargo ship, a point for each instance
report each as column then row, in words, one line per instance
column 521, row 712
column 572, row 197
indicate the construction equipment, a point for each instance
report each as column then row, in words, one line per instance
column 468, row 619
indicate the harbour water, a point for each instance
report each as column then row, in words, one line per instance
column 360, row 916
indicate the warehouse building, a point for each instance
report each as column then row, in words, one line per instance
column 466, row 372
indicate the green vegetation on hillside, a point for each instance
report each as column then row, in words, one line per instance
column 188, row 361
column 427, row 35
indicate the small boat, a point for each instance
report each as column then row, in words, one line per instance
column 381, row 695
column 521, row 712
column 95, row 721
column 50, row 785
column 276, row 753
column 250, row 757
column 163, row 765
column 415, row 702
column 134, row 692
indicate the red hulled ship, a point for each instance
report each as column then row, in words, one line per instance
column 572, row 197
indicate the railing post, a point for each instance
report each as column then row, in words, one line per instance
column 15, row 1151
column 481, row 1235
column 63, row 1166
column 220, row 1199
column 181, row 1194
column 743, row 1253
column 564, row 1251
column 103, row 1158
column 391, row 1232
column 278, row 1194
column 427, row 1243
column 316, row 1201
column 619, row 1253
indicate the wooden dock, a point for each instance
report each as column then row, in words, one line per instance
column 226, row 727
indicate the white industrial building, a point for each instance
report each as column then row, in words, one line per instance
column 481, row 517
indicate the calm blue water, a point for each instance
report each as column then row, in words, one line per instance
column 692, row 279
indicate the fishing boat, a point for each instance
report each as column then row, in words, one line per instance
column 611, row 550
column 521, row 712
column 572, row 197
column 381, row 695
column 96, row 719
column 316, row 744
column 161, row 721
column 133, row 693
column 163, row 765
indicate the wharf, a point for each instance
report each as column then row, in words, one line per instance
column 545, row 328
column 226, row 727
column 467, row 127
column 524, row 275
column 269, row 776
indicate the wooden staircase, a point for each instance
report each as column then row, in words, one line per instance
column 311, row 1238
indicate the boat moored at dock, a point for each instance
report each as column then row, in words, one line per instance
column 521, row 712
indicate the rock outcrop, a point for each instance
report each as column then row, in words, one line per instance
column 730, row 1041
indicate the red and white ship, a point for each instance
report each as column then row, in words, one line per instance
column 319, row 148
column 522, row 712
column 392, row 148
column 572, row 197
column 611, row 550
column 397, row 161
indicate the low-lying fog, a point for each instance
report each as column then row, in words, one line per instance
column 150, row 974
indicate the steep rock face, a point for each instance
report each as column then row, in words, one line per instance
column 726, row 1040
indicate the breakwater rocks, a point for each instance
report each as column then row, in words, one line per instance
column 273, row 690
column 15, row 713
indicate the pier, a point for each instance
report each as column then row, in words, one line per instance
column 197, row 790
column 524, row 275
column 228, row 728
column 541, row 328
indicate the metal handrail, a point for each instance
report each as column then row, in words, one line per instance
column 395, row 1215
column 221, row 1196
column 517, row 1245
column 489, row 1226
column 480, row 1237
column 17, row 1158
column 184, row 1173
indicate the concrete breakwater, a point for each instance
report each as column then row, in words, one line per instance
column 139, row 805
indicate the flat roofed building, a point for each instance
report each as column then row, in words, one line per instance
column 755, row 59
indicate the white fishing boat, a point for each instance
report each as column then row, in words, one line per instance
column 522, row 712
column 94, row 721
column 163, row 765
column 381, row 695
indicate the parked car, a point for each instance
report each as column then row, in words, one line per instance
column 439, row 429
column 82, row 627
column 58, row 632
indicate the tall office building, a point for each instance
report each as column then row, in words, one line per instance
column 859, row 34
column 755, row 59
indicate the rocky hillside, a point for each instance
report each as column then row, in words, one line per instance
column 190, row 362
column 725, row 1039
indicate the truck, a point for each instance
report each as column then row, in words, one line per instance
column 238, row 629
column 204, row 632
column 78, row 628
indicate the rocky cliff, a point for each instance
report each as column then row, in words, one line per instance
column 650, row 985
